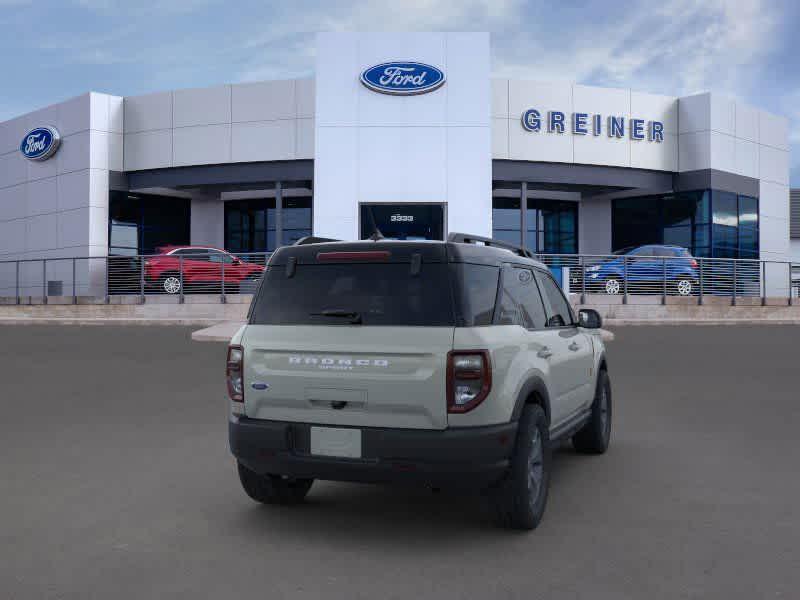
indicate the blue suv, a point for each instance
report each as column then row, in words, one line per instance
column 645, row 268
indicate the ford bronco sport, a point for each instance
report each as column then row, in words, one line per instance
column 443, row 363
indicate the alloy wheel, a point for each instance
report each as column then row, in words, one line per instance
column 612, row 286
column 603, row 406
column 536, row 467
column 172, row 285
column 684, row 287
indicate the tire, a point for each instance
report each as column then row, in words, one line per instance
column 612, row 286
column 595, row 436
column 520, row 499
column 273, row 489
column 684, row 286
column 170, row 283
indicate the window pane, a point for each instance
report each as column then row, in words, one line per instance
column 702, row 206
column 748, row 239
column 748, row 211
column 558, row 312
column 520, row 303
column 678, row 236
column 726, row 212
column 382, row 294
column 636, row 222
column 123, row 234
column 702, row 236
column 506, row 214
column 531, row 241
column 476, row 287
column 678, row 210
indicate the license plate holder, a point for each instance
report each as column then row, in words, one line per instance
column 336, row 442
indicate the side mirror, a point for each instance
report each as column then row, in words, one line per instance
column 589, row 318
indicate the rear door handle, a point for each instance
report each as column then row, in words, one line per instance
column 574, row 346
column 544, row 353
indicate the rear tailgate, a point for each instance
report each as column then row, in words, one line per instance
column 380, row 376
column 351, row 334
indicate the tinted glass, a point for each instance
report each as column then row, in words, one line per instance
column 748, row 211
column 558, row 306
column 520, row 302
column 152, row 221
column 476, row 291
column 296, row 218
column 382, row 294
column 725, row 209
column 403, row 221
column 250, row 225
column 220, row 257
column 506, row 220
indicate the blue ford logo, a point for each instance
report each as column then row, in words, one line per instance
column 40, row 143
column 402, row 78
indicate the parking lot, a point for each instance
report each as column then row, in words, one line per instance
column 115, row 482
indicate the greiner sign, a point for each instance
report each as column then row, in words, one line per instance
column 593, row 124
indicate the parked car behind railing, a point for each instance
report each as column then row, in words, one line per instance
column 647, row 269
column 198, row 268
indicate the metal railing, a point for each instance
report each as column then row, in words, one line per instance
column 631, row 278
column 70, row 279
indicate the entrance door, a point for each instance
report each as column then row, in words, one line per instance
column 403, row 221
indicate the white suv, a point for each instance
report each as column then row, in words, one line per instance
column 443, row 363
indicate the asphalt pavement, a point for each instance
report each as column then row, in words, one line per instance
column 116, row 482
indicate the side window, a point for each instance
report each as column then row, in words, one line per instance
column 476, row 292
column 219, row 257
column 559, row 313
column 520, row 302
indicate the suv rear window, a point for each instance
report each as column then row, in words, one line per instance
column 379, row 293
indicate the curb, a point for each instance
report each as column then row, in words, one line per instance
column 106, row 321
column 715, row 322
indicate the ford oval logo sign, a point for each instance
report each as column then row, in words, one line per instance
column 402, row 78
column 40, row 143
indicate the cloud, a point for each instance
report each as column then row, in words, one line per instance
column 675, row 47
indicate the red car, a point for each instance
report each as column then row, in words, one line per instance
column 203, row 269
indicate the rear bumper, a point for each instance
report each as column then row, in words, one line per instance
column 463, row 457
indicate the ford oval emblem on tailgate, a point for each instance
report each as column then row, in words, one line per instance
column 258, row 385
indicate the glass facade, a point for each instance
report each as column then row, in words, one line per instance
column 402, row 221
column 263, row 224
column 706, row 222
column 140, row 223
column 550, row 226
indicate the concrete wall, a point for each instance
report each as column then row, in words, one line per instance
column 270, row 120
column 719, row 133
column 594, row 226
column 59, row 207
column 373, row 147
column 207, row 226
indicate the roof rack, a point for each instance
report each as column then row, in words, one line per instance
column 311, row 239
column 465, row 238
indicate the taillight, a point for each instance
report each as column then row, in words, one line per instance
column 694, row 264
column 469, row 379
column 234, row 373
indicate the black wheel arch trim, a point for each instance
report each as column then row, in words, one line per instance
column 534, row 385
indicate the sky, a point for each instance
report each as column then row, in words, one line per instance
column 51, row 50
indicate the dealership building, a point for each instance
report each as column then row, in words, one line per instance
column 407, row 133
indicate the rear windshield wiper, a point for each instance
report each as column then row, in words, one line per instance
column 355, row 317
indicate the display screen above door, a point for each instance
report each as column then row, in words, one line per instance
column 403, row 221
